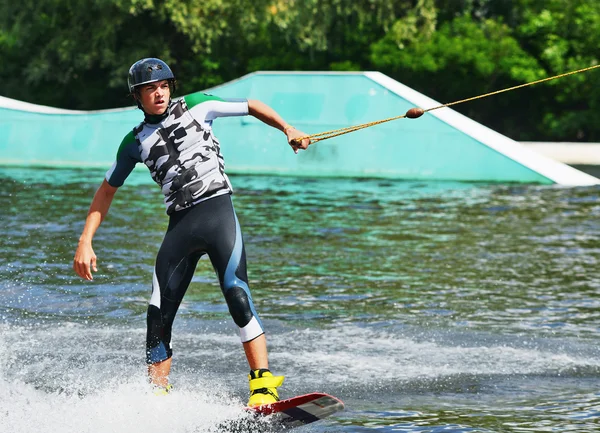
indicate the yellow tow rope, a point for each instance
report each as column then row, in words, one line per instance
column 413, row 113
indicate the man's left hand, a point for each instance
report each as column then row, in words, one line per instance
column 296, row 140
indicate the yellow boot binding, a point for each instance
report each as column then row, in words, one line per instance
column 162, row 390
column 263, row 387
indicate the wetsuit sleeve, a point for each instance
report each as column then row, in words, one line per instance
column 127, row 157
column 207, row 107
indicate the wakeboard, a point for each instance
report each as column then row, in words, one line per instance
column 300, row 410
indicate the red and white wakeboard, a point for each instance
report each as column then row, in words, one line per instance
column 300, row 410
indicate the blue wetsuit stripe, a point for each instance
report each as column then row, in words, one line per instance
column 230, row 278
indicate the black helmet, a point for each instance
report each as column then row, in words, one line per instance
column 148, row 71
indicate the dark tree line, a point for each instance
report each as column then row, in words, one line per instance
column 75, row 54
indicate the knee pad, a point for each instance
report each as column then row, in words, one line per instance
column 240, row 306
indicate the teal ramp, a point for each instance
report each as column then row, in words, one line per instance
column 39, row 135
column 440, row 145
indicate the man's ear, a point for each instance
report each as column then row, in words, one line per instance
column 136, row 97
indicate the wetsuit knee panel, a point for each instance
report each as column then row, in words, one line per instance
column 239, row 305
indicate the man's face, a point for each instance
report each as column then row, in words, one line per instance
column 155, row 97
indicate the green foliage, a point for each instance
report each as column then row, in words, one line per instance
column 482, row 46
column 565, row 35
column 75, row 54
column 461, row 59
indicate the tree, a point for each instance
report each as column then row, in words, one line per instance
column 565, row 36
column 74, row 54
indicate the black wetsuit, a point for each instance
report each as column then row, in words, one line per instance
column 184, row 158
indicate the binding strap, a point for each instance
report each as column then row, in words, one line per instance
column 266, row 382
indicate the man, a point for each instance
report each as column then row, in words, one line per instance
column 176, row 142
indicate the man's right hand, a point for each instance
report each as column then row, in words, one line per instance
column 85, row 261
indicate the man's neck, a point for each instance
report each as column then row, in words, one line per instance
column 156, row 118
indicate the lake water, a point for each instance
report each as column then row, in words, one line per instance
column 425, row 307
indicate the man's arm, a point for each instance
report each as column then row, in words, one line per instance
column 84, row 256
column 269, row 116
